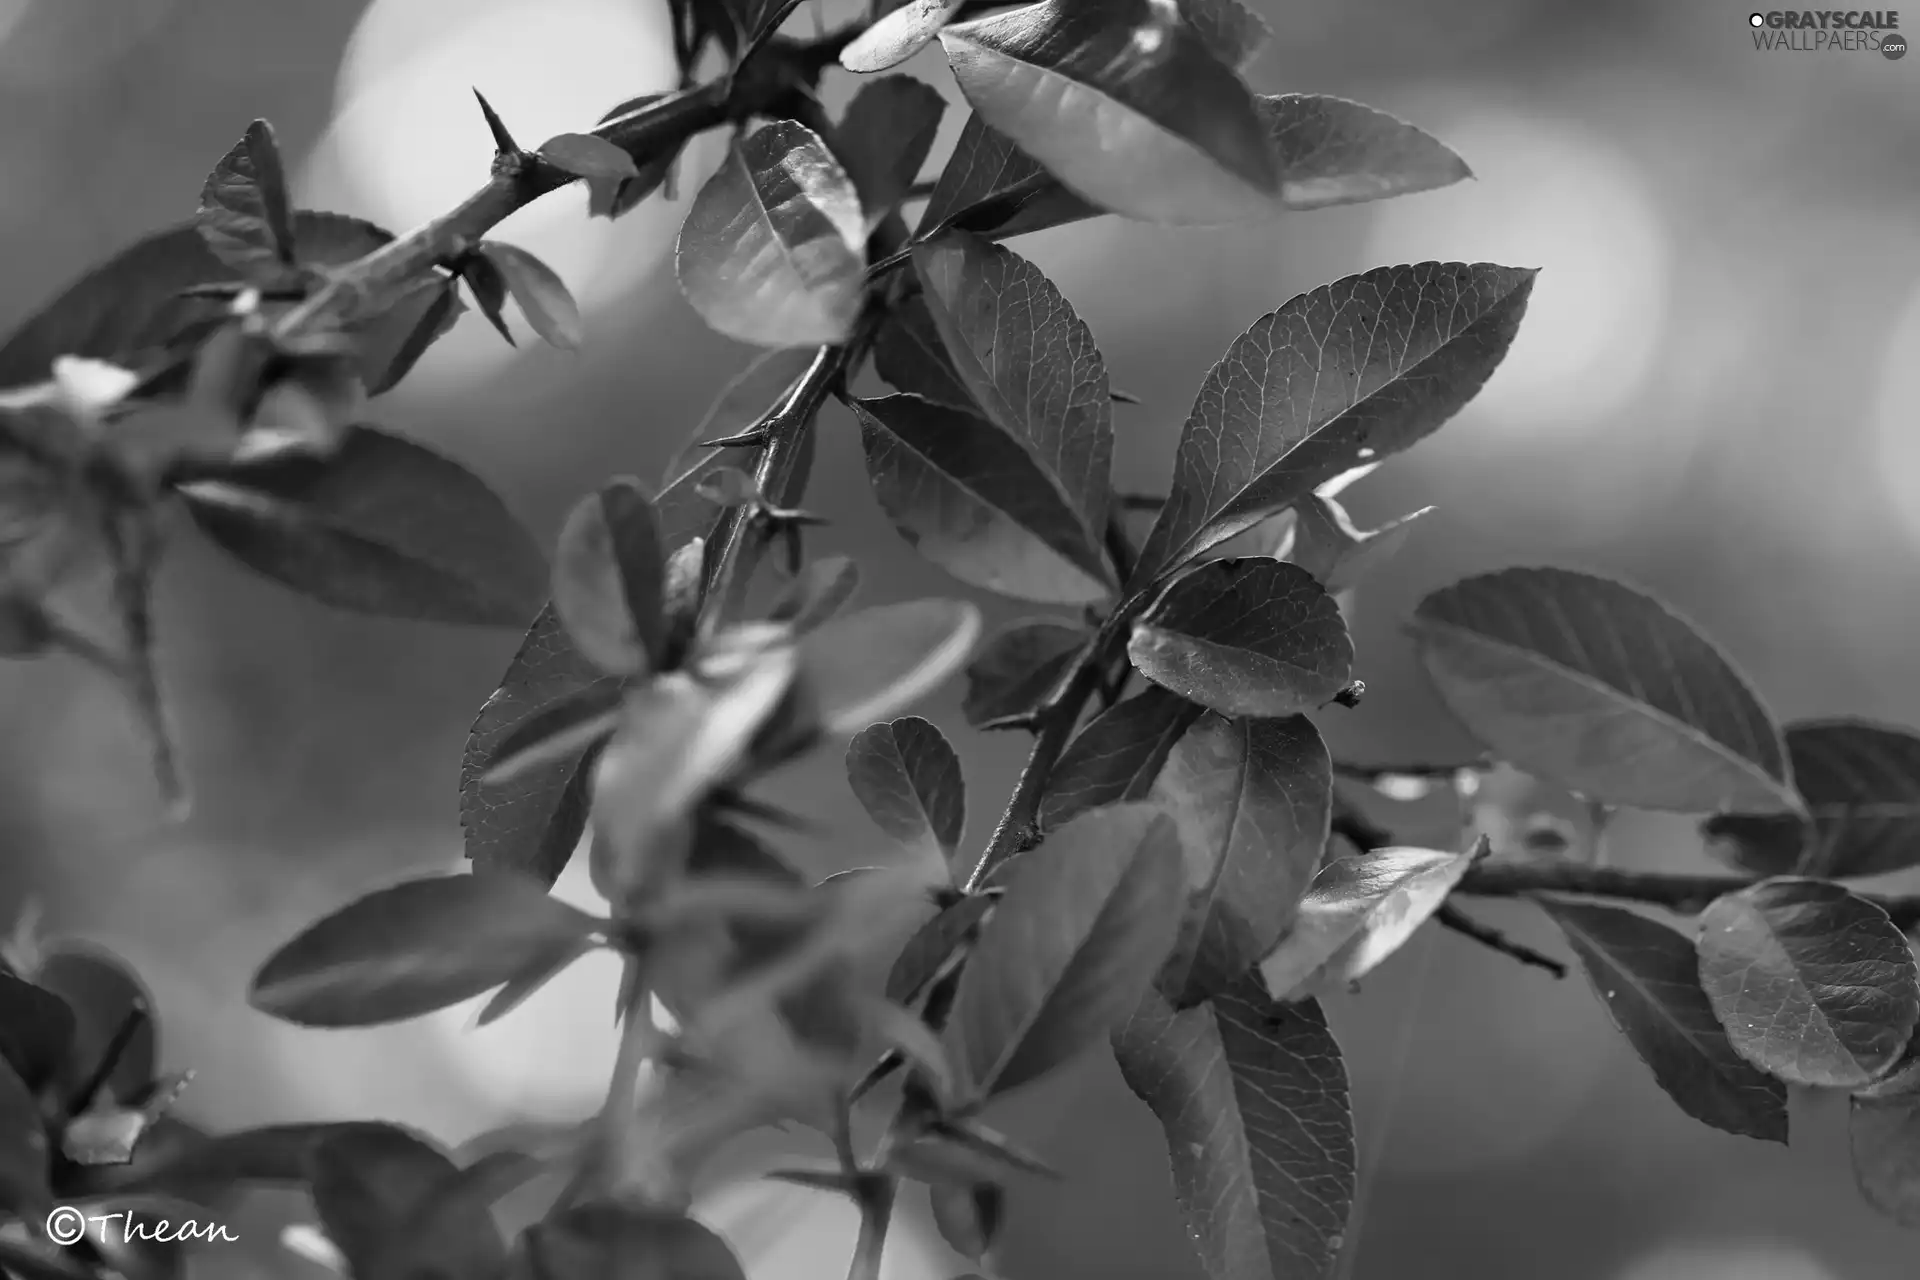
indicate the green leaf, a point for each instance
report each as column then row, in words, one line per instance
column 884, row 139
column 927, row 952
column 609, row 579
column 910, row 356
column 531, row 824
column 602, row 1241
column 1861, row 785
column 245, row 213
column 1253, row 800
column 1231, row 32
column 383, row 526
column 1252, row 637
column 1252, row 1095
column 24, row 1150
column 1124, row 104
column 1324, row 541
column 818, row 592
column 1016, row 669
column 1116, row 756
column 748, row 397
column 110, row 1003
column 542, row 295
column 560, row 730
column 1358, row 911
column 396, row 1206
column 36, row 1030
column 1333, row 152
column 1358, row 369
column 978, row 503
column 1814, row 985
column 489, row 288
column 1603, row 689
column 773, row 250
column 586, row 156
column 862, row 666
column 1075, row 938
column 538, row 973
column 1028, row 362
column 415, row 947
column 1884, row 1134
column 398, row 340
column 908, row 779
column 992, row 188
column 899, row 35
column 968, row 1218
column 1648, row 977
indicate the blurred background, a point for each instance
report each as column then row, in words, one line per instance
column 1708, row 398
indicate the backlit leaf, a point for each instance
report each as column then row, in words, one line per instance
column 884, row 138
column 1604, row 690
column 908, row 779
column 1333, row 151
column 415, row 947
column 1647, row 975
column 976, row 502
column 1017, row 668
column 1324, row 541
column 1074, row 940
column 542, row 294
column 773, row 250
column 1358, row 369
column 899, row 35
column 1124, row 103
column 1253, row 801
column 1358, row 911
column 1252, row 1095
column 1116, row 756
column 608, row 579
column 1252, row 637
column 1814, row 985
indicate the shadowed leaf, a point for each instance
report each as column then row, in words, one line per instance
column 968, row 1217
column 585, row 156
column 542, row 295
column 601, row 1241
column 818, row 592
column 1252, row 1095
column 245, row 214
column 924, row 954
column 608, row 579
column 1648, row 977
column 1252, row 637
column 1814, row 985
column 908, row 779
column 992, row 188
column 910, row 356
column 24, row 1151
column 1016, row 669
column 559, row 731
column 1604, row 690
column 36, row 1030
column 1077, row 935
column 1116, row 756
column 383, row 526
column 865, row 665
column 1361, row 368
column 393, row 1205
column 112, row 1008
column 884, row 138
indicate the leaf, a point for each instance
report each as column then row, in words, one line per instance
column 862, row 666
column 1602, row 689
column 884, row 138
column 559, row 731
column 1231, row 32
column 1075, row 938
column 742, row 404
column 23, row 1150
column 532, row 824
column 992, row 188
column 1016, row 669
column 601, row 1241
column 773, row 250
column 928, row 950
column 1861, row 785
column 818, row 592
column 245, row 213
column 1124, row 104
column 415, row 947
column 1253, row 801
column 976, row 502
column 1252, row 1095
column 1116, row 756
column 1884, row 1135
column 1325, row 542
column 1251, row 637
column 107, row 1134
column 1648, row 977
column 402, row 336
column 1333, row 152
column 1359, row 909
column 908, row 779
column 489, row 288
column 609, row 579
column 36, row 1030
column 968, row 1217
column 909, row 355
column 383, row 526
column 1027, row 361
column 113, row 1011
column 899, row 35
column 542, row 295
column 586, row 156
column 1814, row 985
column 537, row 974
column 395, row 1206
column 1358, row 369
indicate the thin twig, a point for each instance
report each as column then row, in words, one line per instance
column 1466, row 926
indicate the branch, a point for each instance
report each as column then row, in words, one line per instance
column 876, row 1213
column 1466, row 926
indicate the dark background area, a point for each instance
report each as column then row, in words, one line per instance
column 1708, row 398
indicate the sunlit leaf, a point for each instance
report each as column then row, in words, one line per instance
column 1075, row 938
column 898, row 35
column 1647, row 975
column 1814, row 985
column 908, row 779
column 1358, row 369
column 1016, row 668
column 542, row 295
column 1358, row 911
column 1124, row 103
column 1252, row 1095
column 1333, row 151
column 415, row 947
column 1116, row 756
column 773, row 250
column 1252, row 637
column 383, row 526
column 1603, row 689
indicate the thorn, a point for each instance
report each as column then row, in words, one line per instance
column 503, row 143
column 754, row 439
